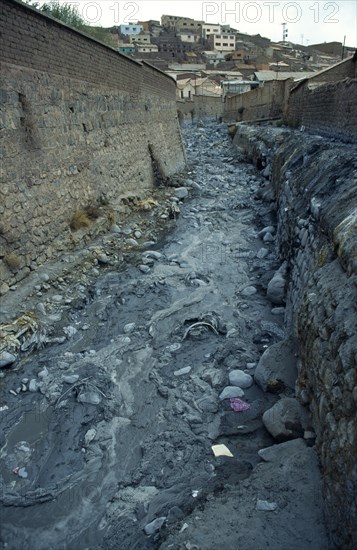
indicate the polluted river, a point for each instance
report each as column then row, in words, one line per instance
column 139, row 425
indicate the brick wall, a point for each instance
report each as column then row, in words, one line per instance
column 263, row 102
column 326, row 103
column 77, row 120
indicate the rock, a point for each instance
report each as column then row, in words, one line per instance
column 144, row 268
column 127, row 230
column 249, row 291
column 6, row 359
column 276, row 290
column 34, row 385
column 103, row 259
column 129, row 327
column 71, row 378
column 153, row 254
column 132, row 242
column 41, row 308
column 137, row 234
column 115, row 229
column 43, row 373
column 282, row 451
column 240, row 378
column 44, row 277
column 268, row 238
column 58, row 298
column 194, row 185
column 4, row 288
column 278, row 310
column 286, row 420
column 231, row 391
column 181, row 192
column 276, row 287
column 270, row 229
column 277, row 367
column 154, row 526
column 89, row 397
column 181, row 372
column 70, row 331
column 214, row 377
column 265, row 506
column 22, row 473
column 89, row 436
column 251, row 365
column 262, row 253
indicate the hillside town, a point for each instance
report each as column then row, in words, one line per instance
column 215, row 60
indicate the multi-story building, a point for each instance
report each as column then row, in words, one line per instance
column 169, row 21
column 147, row 48
column 168, row 42
column 222, row 42
column 189, row 36
column 210, row 28
column 188, row 24
column 143, row 38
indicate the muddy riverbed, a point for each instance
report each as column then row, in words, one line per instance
column 108, row 443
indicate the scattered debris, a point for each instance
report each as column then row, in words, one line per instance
column 238, row 405
column 154, row 526
column 265, row 506
column 221, row 450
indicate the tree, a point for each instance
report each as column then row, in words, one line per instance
column 71, row 16
column 64, row 12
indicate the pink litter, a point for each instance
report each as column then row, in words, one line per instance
column 238, row 405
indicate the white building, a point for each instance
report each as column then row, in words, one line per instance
column 147, row 48
column 223, row 42
column 187, row 36
column 210, row 28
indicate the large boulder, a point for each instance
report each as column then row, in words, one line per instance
column 276, row 287
column 277, row 367
column 287, row 419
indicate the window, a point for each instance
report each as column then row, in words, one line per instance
column 181, row 94
column 218, row 43
column 189, row 94
column 225, row 44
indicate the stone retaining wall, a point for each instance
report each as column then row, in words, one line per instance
column 315, row 189
column 81, row 126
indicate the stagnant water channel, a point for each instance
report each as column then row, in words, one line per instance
column 116, row 449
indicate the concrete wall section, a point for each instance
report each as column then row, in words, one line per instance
column 80, row 124
column 264, row 102
column 201, row 106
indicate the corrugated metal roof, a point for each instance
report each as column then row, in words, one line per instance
column 264, row 76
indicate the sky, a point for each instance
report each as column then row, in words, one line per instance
column 307, row 21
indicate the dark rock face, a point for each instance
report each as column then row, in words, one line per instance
column 314, row 182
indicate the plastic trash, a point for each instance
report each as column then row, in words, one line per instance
column 238, row 405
